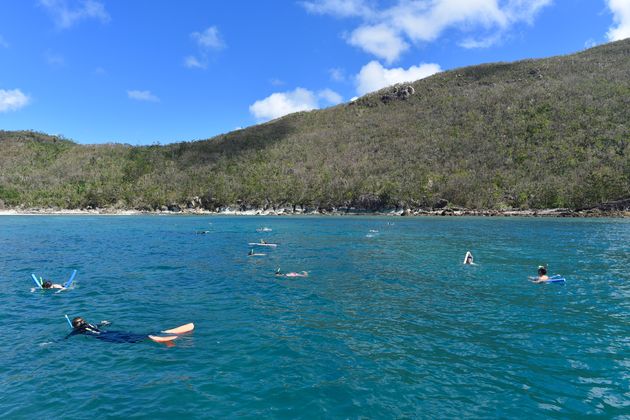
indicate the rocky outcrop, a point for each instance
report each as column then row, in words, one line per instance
column 398, row 92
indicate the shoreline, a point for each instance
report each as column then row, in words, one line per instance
column 227, row 211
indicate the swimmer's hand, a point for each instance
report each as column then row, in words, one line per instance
column 104, row 323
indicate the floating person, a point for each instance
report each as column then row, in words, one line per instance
column 262, row 243
column 202, row 232
column 80, row 326
column 47, row 284
column 542, row 275
column 263, row 229
column 291, row 274
column 544, row 278
column 251, row 253
column 468, row 259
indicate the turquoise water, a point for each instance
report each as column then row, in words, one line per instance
column 388, row 323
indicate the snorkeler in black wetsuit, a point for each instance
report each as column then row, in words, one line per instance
column 80, row 326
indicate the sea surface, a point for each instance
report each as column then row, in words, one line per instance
column 388, row 324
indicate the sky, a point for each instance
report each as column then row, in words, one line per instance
column 156, row 71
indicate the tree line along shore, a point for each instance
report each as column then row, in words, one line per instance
column 497, row 138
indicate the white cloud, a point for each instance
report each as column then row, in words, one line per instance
column 65, row 16
column 387, row 32
column 193, row 62
column 471, row 43
column 590, row 43
column 3, row 43
column 339, row 8
column 209, row 39
column 379, row 40
column 621, row 17
column 337, row 74
column 279, row 104
column 142, row 95
column 11, row 100
column 373, row 76
column 330, row 96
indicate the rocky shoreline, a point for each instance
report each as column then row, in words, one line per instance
column 605, row 210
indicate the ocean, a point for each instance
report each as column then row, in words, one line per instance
column 389, row 323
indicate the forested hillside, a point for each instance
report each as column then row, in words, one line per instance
column 541, row 133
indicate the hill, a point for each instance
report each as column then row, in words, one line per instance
column 532, row 134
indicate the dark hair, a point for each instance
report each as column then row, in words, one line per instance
column 78, row 322
column 542, row 270
column 47, row 284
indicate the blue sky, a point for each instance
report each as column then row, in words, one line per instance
column 158, row 71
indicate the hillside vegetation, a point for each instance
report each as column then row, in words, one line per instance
column 532, row 134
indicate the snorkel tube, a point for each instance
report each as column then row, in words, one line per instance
column 69, row 322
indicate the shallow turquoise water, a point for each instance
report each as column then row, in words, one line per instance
column 388, row 324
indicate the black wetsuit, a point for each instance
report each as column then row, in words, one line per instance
column 111, row 336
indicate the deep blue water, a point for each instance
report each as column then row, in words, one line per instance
column 388, row 324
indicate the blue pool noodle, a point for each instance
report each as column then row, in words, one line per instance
column 69, row 282
column 36, row 281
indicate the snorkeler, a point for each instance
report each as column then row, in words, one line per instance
column 291, row 274
column 468, row 259
column 542, row 275
column 47, row 284
column 80, row 326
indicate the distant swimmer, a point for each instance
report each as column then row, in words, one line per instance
column 251, row 253
column 202, row 232
column 80, row 326
column 468, row 259
column 47, row 284
column 291, row 274
column 542, row 275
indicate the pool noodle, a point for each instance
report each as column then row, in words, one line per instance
column 36, row 281
column 69, row 282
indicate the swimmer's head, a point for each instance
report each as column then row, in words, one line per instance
column 47, row 284
column 78, row 322
column 542, row 270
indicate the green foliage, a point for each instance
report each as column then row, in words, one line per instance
column 530, row 134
